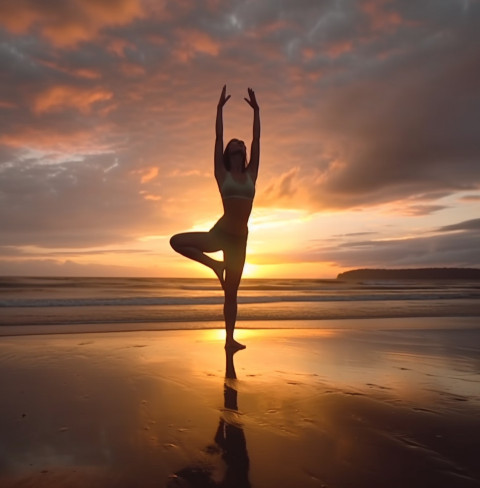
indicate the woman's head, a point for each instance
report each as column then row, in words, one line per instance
column 235, row 150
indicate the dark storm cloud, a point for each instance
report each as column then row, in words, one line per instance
column 405, row 121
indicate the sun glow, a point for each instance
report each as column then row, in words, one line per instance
column 250, row 270
column 218, row 335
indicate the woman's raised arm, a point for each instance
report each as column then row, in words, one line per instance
column 218, row 155
column 255, row 148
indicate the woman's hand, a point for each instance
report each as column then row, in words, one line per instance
column 252, row 101
column 223, row 98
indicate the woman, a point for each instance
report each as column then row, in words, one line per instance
column 236, row 182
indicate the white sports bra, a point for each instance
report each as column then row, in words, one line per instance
column 234, row 189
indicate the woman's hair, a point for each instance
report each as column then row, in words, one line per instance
column 226, row 157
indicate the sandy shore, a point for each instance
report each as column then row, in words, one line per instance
column 301, row 408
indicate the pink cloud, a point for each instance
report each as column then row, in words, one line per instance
column 308, row 53
column 336, row 49
column 118, row 46
column 192, row 41
column 381, row 19
column 147, row 174
column 70, row 22
column 86, row 73
column 280, row 190
column 270, row 28
column 7, row 104
column 62, row 96
column 213, row 5
column 132, row 70
column 150, row 197
column 78, row 141
column 470, row 198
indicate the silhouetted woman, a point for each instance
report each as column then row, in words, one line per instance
column 236, row 182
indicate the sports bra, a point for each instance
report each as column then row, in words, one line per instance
column 234, row 189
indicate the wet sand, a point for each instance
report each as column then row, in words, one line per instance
column 298, row 408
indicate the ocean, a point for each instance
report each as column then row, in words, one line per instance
column 181, row 303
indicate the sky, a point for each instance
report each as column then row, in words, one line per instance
column 370, row 146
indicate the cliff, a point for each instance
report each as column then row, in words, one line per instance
column 411, row 274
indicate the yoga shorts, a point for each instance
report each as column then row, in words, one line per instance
column 233, row 245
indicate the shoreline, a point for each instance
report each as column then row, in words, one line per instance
column 374, row 323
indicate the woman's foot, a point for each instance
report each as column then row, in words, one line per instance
column 219, row 270
column 233, row 345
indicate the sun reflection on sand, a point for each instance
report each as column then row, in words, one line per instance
column 218, row 335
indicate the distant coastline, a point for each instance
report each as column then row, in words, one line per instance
column 411, row 274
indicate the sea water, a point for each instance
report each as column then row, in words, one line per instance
column 197, row 303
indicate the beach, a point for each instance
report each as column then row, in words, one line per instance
column 343, row 404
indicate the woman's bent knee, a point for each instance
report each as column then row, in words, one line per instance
column 174, row 242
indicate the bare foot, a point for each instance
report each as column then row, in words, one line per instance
column 219, row 270
column 233, row 345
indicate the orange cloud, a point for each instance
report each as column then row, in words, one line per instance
column 195, row 41
column 337, row 49
column 150, row 197
column 282, row 188
column 308, row 53
column 132, row 70
column 381, row 19
column 62, row 96
column 470, row 198
column 70, row 22
column 86, row 73
column 270, row 28
column 7, row 104
column 213, row 5
column 147, row 174
column 118, row 46
column 79, row 141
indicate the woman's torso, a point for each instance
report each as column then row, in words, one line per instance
column 237, row 196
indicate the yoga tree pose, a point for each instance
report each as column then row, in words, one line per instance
column 236, row 181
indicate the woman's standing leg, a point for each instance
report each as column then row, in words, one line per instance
column 194, row 245
column 234, row 262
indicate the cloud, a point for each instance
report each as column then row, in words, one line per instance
column 12, row 251
column 467, row 225
column 405, row 124
column 445, row 249
column 382, row 14
column 74, row 204
column 54, row 267
column 353, row 234
column 471, row 198
column 147, row 174
column 282, row 187
column 66, row 23
column 422, row 209
column 107, row 114
column 192, row 42
column 60, row 97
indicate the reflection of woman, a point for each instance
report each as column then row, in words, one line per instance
column 230, row 436
column 230, row 444
column 236, row 182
